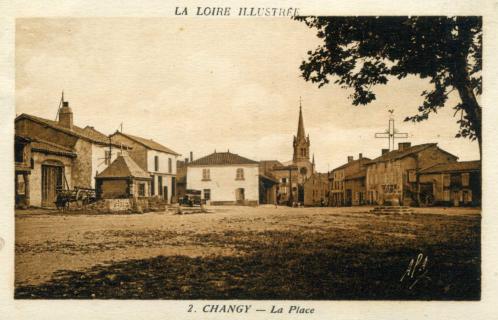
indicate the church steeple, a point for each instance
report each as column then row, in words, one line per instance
column 301, row 142
column 300, row 125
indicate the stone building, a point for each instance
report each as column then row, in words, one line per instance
column 22, row 155
column 225, row 178
column 316, row 190
column 155, row 158
column 123, row 179
column 393, row 177
column 62, row 156
column 451, row 184
column 347, row 182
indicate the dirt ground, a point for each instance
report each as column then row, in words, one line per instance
column 248, row 253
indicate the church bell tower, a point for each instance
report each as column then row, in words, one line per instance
column 301, row 144
column 301, row 141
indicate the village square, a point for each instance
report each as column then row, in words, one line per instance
column 61, row 165
column 90, row 203
column 179, row 169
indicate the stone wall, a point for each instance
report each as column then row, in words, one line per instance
column 114, row 189
column 82, row 173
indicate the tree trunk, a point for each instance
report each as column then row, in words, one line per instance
column 461, row 81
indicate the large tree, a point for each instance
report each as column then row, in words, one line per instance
column 362, row 52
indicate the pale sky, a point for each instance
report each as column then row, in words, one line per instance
column 200, row 84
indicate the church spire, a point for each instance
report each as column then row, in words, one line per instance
column 300, row 125
column 301, row 142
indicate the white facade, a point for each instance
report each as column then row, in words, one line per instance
column 166, row 171
column 224, row 182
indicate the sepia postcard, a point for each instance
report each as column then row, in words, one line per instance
column 248, row 160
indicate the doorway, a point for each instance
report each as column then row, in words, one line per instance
column 51, row 182
column 240, row 195
column 165, row 194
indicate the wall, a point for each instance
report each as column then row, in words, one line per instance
column 163, row 162
column 29, row 128
column 98, row 159
column 432, row 156
column 388, row 173
column 112, row 189
column 82, row 175
column 315, row 190
column 36, row 175
column 223, row 183
column 138, row 152
column 163, row 170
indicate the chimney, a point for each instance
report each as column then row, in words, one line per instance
column 384, row 151
column 350, row 158
column 360, row 156
column 404, row 145
column 66, row 116
column 191, row 156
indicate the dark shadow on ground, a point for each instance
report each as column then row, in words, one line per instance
column 361, row 264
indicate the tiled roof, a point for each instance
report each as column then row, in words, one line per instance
column 51, row 147
column 88, row 133
column 463, row 166
column 356, row 175
column 268, row 177
column 221, row 158
column 148, row 143
column 123, row 167
column 271, row 163
column 398, row 154
column 364, row 160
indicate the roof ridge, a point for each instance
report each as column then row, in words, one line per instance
column 141, row 140
column 52, row 144
column 55, row 125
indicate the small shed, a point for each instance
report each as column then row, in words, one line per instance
column 123, row 178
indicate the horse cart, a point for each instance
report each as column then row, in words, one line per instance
column 82, row 196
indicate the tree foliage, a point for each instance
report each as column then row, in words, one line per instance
column 362, row 52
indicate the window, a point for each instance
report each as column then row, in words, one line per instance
column 156, row 163
column 240, row 174
column 141, row 189
column 160, row 185
column 173, row 185
column 207, row 194
column 465, row 179
column 19, row 152
column 107, row 157
column 206, row 175
column 170, row 165
column 284, row 180
column 152, row 186
column 446, row 195
column 446, row 180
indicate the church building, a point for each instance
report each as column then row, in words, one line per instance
column 294, row 173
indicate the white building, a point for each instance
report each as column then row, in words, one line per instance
column 225, row 178
column 159, row 161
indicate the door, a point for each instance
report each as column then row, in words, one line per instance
column 165, row 193
column 240, row 195
column 51, row 182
